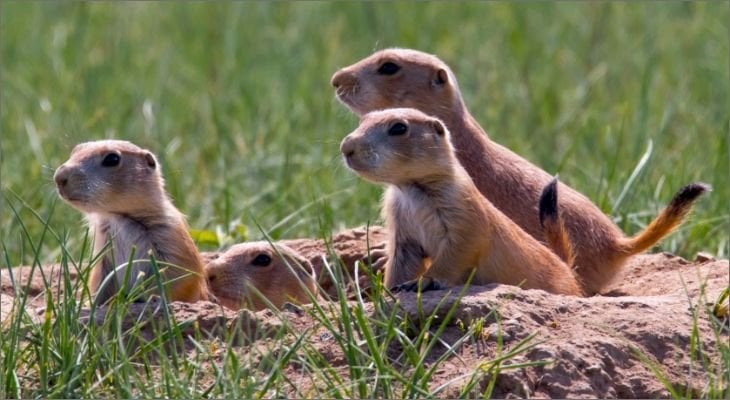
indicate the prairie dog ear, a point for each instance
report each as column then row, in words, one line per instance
column 309, row 269
column 439, row 127
column 440, row 78
column 306, row 266
column 297, row 258
column 151, row 160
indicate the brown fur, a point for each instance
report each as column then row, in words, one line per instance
column 126, row 205
column 440, row 226
column 510, row 182
column 233, row 276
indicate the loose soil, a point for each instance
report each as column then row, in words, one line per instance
column 601, row 346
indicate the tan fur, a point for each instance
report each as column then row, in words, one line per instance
column 126, row 205
column 440, row 226
column 510, row 182
column 558, row 240
column 233, row 276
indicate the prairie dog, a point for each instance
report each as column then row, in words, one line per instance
column 280, row 275
column 440, row 227
column 408, row 78
column 119, row 188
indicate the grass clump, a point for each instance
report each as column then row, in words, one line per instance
column 235, row 100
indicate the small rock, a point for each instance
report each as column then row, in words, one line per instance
column 593, row 369
column 293, row 308
column 680, row 260
column 704, row 257
column 494, row 334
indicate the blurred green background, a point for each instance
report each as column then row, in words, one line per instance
column 235, row 100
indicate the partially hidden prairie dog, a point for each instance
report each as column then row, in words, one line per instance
column 119, row 188
column 440, row 227
column 246, row 272
column 394, row 78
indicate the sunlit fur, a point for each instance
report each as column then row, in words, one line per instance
column 127, row 206
column 234, row 280
column 439, row 225
column 510, row 182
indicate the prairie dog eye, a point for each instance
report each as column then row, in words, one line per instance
column 261, row 260
column 397, row 129
column 388, row 68
column 111, row 160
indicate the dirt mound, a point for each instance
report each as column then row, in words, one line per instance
column 595, row 344
column 602, row 346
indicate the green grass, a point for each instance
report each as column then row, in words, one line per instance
column 241, row 114
column 59, row 354
column 235, row 100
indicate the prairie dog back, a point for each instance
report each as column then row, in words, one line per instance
column 439, row 225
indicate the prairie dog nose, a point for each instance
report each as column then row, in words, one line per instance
column 342, row 78
column 211, row 276
column 347, row 147
column 61, row 176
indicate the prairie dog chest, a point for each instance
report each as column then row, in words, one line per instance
column 420, row 215
column 124, row 235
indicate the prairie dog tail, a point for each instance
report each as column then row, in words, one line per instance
column 552, row 223
column 668, row 219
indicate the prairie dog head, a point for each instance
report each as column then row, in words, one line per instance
column 393, row 78
column 110, row 176
column 399, row 146
column 280, row 276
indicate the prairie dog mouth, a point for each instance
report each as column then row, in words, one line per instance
column 346, row 93
column 349, row 163
column 69, row 197
column 361, row 163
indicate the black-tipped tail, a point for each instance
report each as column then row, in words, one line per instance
column 549, row 202
column 668, row 219
column 552, row 224
column 684, row 198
